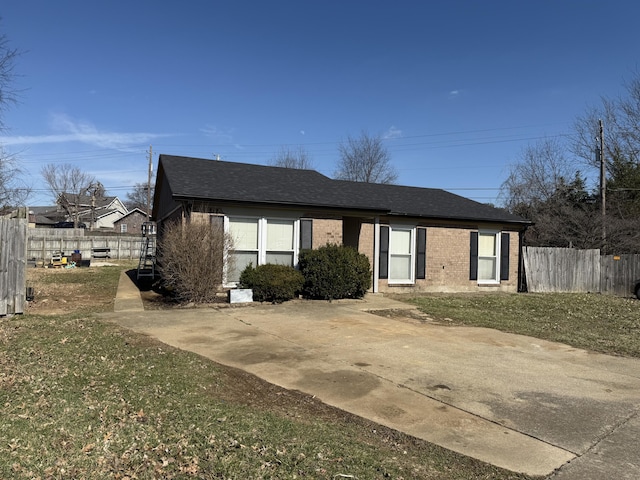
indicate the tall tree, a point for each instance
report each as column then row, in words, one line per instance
column 365, row 159
column 536, row 176
column 13, row 190
column 621, row 119
column 289, row 157
column 543, row 188
column 69, row 185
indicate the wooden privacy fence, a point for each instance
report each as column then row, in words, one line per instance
column 13, row 241
column 550, row 269
column 618, row 273
column 41, row 248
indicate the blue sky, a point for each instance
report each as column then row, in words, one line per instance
column 456, row 88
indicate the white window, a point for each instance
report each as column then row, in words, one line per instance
column 488, row 255
column 401, row 251
column 280, row 242
column 262, row 240
column 245, row 234
column 123, row 228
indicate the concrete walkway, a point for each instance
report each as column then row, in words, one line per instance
column 517, row 402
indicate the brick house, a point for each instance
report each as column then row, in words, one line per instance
column 417, row 239
column 131, row 223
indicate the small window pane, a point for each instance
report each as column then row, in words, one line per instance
column 486, row 268
column 280, row 258
column 279, row 235
column 400, row 268
column 486, row 245
column 400, row 242
column 244, row 232
column 240, row 261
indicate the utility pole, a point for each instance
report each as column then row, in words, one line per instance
column 603, row 185
column 149, row 183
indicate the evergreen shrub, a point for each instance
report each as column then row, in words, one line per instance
column 272, row 283
column 335, row 271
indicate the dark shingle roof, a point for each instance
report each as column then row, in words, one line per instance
column 194, row 178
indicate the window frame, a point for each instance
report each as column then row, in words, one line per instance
column 262, row 240
column 496, row 234
column 412, row 255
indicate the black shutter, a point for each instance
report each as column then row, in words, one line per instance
column 504, row 256
column 383, row 271
column 473, row 256
column 306, row 234
column 421, row 253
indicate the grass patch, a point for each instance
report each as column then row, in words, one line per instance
column 74, row 290
column 595, row 322
column 83, row 398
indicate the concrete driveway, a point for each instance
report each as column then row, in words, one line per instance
column 517, row 402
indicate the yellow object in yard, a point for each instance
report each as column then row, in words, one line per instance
column 64, row 260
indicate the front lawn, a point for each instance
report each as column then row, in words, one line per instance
column 84, row 398
column 596, row 322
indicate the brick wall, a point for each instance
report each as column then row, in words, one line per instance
column 447, row 268
column 326, row 231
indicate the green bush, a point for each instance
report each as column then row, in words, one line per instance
column 334, row 271
column 272, row 283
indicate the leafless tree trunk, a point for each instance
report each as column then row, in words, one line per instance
column 365, row 159
column 68, row 185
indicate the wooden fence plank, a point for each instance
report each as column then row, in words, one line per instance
column 13, row 235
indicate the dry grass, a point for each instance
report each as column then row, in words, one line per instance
column 595, row 322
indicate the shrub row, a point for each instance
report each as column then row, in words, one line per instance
column 329, row 272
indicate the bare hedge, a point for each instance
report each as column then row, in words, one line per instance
column 191, row 260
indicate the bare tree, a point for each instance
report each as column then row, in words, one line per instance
column 541, row 169
column 137, row 197
column 8, row 94
column 13, row 190
column 289, row 157
column 69, row 186
column 621, row 118
column 365, row 159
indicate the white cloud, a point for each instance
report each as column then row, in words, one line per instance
column 392, row 133
column 218, row 134
column 83, row 132
column 302, row 132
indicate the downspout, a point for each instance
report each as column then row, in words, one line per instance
column 376, row 253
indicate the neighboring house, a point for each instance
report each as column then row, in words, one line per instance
column 45, row 216
column 417, row 239
column 104, row 214
column 131, row 222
